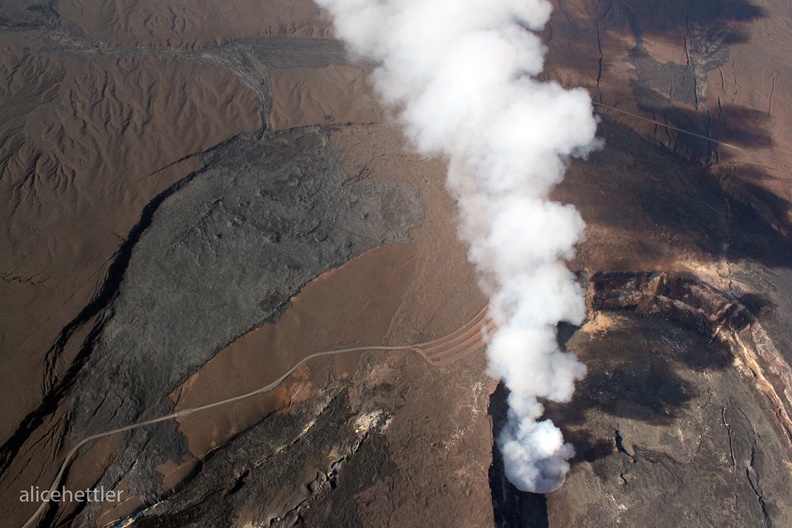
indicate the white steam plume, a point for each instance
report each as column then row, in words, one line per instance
column 461, row 73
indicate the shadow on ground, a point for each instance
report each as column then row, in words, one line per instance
column 661, row 207
column 512, row 508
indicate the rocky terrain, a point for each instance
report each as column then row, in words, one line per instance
column 713, row 68
column 196, row 195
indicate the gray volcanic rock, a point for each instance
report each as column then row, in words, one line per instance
column 667, row 434
column 368, row 450
column 301, row 467
column 25, row 14
column 222, row 256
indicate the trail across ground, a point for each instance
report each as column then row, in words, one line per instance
column 438, row 353
column 683, row 131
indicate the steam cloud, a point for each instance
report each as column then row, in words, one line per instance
column 461, row 76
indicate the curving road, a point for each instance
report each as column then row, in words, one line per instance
column 440, row 352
